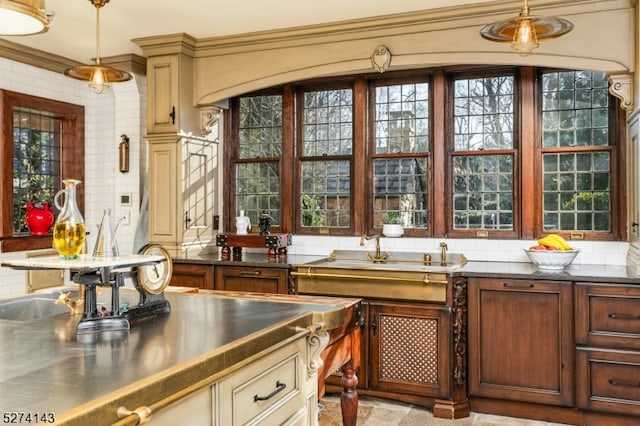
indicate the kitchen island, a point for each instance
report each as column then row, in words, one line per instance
column 201, row 348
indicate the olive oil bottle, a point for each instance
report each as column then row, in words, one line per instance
column 68, row 231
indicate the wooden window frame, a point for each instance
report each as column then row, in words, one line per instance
column 372, row 85
column 72, row 149
column 355, row 159
column 527, row 156
column 451, row 153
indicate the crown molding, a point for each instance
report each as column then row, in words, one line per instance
column 37, row 58
column 47, row 61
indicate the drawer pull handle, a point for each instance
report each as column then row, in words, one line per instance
column 249, row 272
column 279, row 388
column 623, row 316
column 514, row 285
column 624, row 383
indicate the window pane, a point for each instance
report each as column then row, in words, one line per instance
column 400, row 185
column 326, row 194
column 36, row 161
column 483, row 113
column 328, row 123
column 482, row 192
column 576, row 183
column 572, row 102
column 258, row 190
column 402, row 118
column 576, row 192
column 260, row 127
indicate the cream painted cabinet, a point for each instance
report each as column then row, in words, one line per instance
column 171, row 108
column 182, row 182
column 277, row 388
column 163, row 79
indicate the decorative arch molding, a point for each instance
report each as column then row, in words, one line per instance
column 233, row 65
column 226, row 67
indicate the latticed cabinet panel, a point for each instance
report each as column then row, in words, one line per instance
column 408, row 349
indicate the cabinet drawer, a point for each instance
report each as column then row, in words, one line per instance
column 608, row 381
column 267, row 391
column 608, row 315
column 262, row 280
column 192, row 275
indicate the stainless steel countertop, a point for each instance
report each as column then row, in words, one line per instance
column 45, row 367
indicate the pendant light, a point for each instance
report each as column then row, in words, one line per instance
column 99, row 76
column 24, row 17
column 526, row 31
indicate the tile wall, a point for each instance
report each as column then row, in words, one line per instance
column 122, row 110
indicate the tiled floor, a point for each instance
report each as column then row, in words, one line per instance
column 382, row 412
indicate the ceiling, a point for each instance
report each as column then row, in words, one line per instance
column 73, row 32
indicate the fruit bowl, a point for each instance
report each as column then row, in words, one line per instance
column 552, row 259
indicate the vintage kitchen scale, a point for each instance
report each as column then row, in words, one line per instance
column 150, row 271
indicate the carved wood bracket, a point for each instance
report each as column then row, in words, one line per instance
column 460, row 330
column 316, row 343
column 621, row 86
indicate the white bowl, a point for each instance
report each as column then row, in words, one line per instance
column 552, row 259
column 392, row 230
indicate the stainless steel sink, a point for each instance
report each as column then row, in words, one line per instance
column 30, row 308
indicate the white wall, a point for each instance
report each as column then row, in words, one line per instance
column 122, row 110
column 592, row 252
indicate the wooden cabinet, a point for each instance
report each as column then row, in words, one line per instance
column 608, row 348
column 408, row 349
column 192, row 275
column 262, row 280
column 521, row 340
column 406, row 354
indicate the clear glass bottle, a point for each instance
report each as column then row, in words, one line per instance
column 68, row 230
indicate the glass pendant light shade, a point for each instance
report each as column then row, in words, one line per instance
column 24, row 17
column 99, row 76
column 525, row 32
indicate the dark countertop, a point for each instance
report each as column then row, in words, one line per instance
column 46, row 367
column 575, row 272
column 252, row 259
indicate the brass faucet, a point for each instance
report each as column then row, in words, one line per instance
column 443, row 254
column 378, row 257
column 76, row 306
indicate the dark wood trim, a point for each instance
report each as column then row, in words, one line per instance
column 289, row 202
column 530, row 218
column 72, row 160
column 439, row 162
column 360, row 164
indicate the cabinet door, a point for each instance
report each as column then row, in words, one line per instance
column 163, row 91
column 262, row 280
column 408, row 349
column 192, row 275
column 199, row 182
column 521, row 340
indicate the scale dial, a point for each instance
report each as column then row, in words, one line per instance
column 154, row 278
